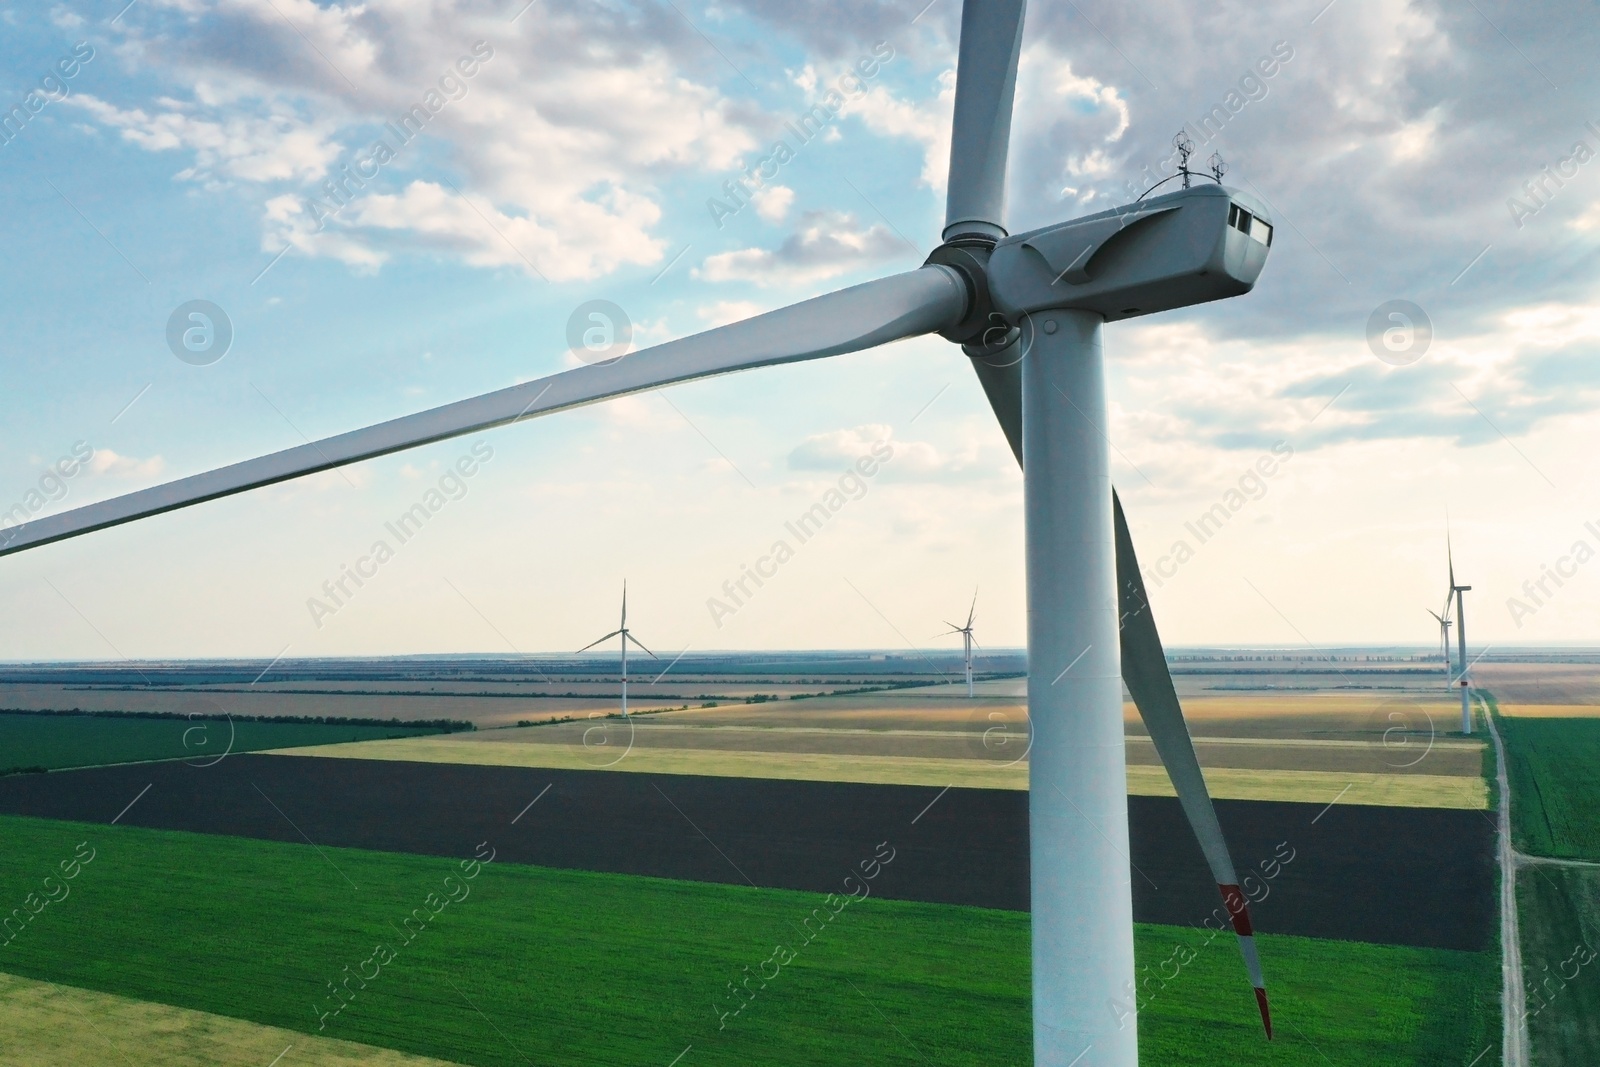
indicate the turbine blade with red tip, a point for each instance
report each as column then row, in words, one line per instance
column 1144, row 669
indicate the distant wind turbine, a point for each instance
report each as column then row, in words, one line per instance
column 625, row 635
column 1444, row 637
column 1461, row 637
column 966, row 637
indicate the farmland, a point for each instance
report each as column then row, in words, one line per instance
column 1369, row 748
column 582, row 968
column 1560, row 909
column 57, row 740
column 582, row 944
column 1555, row 801
column 1552, row 754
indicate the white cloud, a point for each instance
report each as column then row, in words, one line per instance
column 825, row 245
column 725, row 311
column 559, row 136
column 837, row 448
column 926, row 122
column 1188, row 400
column 1067, row 130
column 975, row 455
column 106, row 462
column 484, row 235
column 773, row 201
column 1589, row 220
column 277, row 146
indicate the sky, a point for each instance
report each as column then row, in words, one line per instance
column 1440, row 155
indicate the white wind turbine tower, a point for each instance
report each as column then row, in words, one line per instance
column 1028, row 309
column 967, row 639
column 1461, row 638
column 1444, row 637
column 624, row 635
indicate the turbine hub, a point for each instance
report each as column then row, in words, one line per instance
column 982, row 330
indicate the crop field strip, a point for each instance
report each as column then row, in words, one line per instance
column 580, row 968
column 1392, row 789
column 1350, row 715
column 991, row 741
column 61, row 739
column 47, row 1025
column 1554, row 769
column 1560, row 920
column 1355, row 876
column 488, row 704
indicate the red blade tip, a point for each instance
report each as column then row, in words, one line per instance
column 1266, row 1013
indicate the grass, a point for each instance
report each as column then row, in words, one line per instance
column 1555, row 786
column 576, row 968
column 1560, row 913
column 55, row 740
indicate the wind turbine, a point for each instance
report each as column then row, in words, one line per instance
column 1444, row 637
column 625, row 635
column 966, row 637
column 1461, row 637
column 1028, row 309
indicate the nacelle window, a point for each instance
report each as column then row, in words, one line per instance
column 1248, row 224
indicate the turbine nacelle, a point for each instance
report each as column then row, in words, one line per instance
column 1187, row 247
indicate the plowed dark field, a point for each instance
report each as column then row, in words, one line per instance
column 1404, row 876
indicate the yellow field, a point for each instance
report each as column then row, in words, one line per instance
column 1551, row 711
column 1412, row 756
column 813, row 767
column 1312, row 787
column 1315, row 715
column 1395, row 790
column 46, row 1025
column 984, row 740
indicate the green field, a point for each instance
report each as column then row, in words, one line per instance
column 1560, row 912
column 574, row 968
column 57, row 740
column 1554, row 766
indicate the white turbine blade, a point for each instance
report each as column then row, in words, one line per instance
column 627, row 636
column 1144, row 669
column 986, row 82
column 591, row 644
column 624, row 623
column 863, row 316
column 972, row 611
